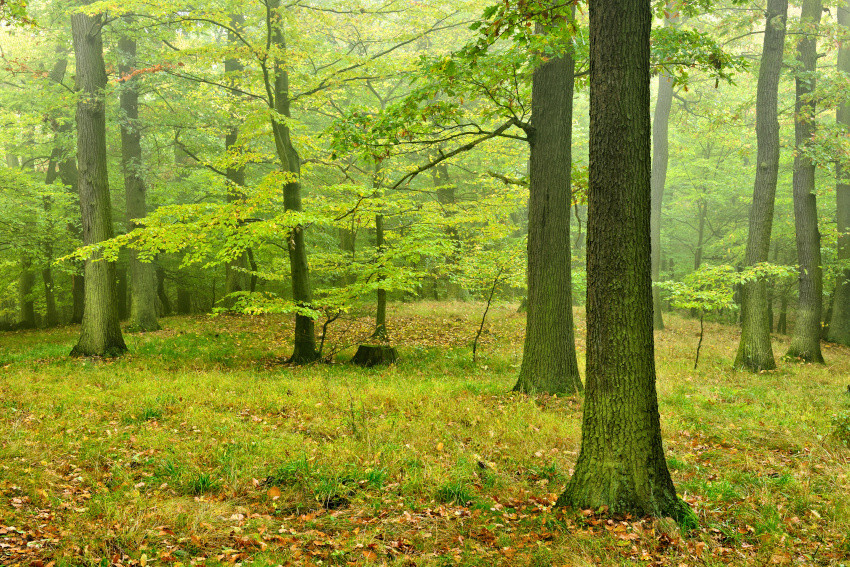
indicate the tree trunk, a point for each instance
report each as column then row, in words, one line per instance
column 447, row 199
column 839, row 325
column 78, row 297
column 121, row 291
column 805, row 341
column 381, row 311
column 278, row 91
column 164, row 303
column 26, row 283
column 100, row 334
column 549, row 362
column 57, row 74
column 755, row 351
column 142, row 274
column 238, row 271
column 621, row 464
column 660, row 155
column 184, row 301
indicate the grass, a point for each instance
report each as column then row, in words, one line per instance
column 200, row 447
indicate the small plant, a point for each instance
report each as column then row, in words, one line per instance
column 841, row 427
column 454, row 492
column 202, row 483
column 290, row 473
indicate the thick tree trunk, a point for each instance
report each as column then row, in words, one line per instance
column 278, row 89
column 78, row 298
column 142, row 274
column 549, row 362
column 621, row 464
column 755, row 351
column 100, row 334
column 839, row 325
column 805, row 341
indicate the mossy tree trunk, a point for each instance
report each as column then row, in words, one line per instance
column 277, row 85
column 839, row 324
column 755, row 351
column 100, row 334
column 805, row 341
column 142, row 274
column 549, row 362
column 621, row 464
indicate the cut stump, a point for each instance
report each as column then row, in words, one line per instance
column 373, row 355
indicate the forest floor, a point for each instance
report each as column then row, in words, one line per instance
column 201, row 447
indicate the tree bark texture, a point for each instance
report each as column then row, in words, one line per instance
column 100, row 333
column 755, row 351
column 549, row 362
column 805, row 340
column 839, row 325
column 621, row 464
column 278, row 97
column 142, row 274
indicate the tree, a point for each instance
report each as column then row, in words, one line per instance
column 549, row 357
column 621, row 464
column 660, row 155
column 100, row 334
column 754, row 350
column 277, row 88
column 143, row 282
column 805, row 342
column 839, row 325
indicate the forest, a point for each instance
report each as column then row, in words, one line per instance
column 488, row 282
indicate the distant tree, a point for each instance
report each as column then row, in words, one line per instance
column 621, row 464
column 755, row 351
column 805, row 341
column 660, row 156
column 143, row 282
column 549, row 357
column 839, row 325
column 100, row 334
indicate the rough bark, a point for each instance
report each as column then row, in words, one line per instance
column 805, row 340
column 373, row 355
column 755, row 351
column 100, row 333
column 549, row 362
column 142, row 274
column 278, row 98
column 621, row 464
column 839, row 325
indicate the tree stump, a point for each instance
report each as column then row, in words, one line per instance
column 372, row 355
